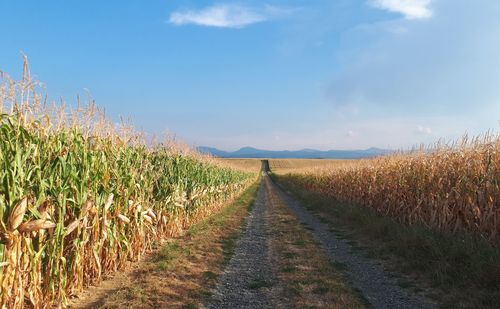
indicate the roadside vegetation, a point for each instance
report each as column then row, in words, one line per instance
column 453, row 188
column 81, row 196
column 180, row 273
column 430, row 216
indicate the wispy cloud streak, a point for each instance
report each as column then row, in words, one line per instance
column 411, row 9
column 226, row 16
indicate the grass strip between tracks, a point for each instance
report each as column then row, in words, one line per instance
column 308, row 278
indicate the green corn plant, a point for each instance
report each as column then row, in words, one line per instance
column 79, row 198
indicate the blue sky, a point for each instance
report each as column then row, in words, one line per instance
column 271, row 74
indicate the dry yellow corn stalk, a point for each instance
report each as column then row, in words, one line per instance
column 449, row 188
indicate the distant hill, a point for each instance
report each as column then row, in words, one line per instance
column 249, row 152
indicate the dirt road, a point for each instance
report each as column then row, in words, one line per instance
column 248, row 281
column 253, row 278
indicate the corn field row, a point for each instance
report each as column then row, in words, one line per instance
column 79, row 197
column 449, row 188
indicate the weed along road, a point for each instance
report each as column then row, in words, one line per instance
column 287, row 258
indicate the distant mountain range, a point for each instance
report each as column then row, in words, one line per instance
column 249, row 152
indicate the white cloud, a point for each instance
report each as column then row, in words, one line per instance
column 411, row 9
column 226, row 16
column 424, row 130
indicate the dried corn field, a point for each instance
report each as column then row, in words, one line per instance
column 287, row 166
column 249, row 165
column 80, row 196
column 450, row 188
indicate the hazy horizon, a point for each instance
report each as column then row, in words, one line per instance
column 274, row 75
column 284, row 149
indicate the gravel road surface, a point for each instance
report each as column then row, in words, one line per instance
column 248, row 280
